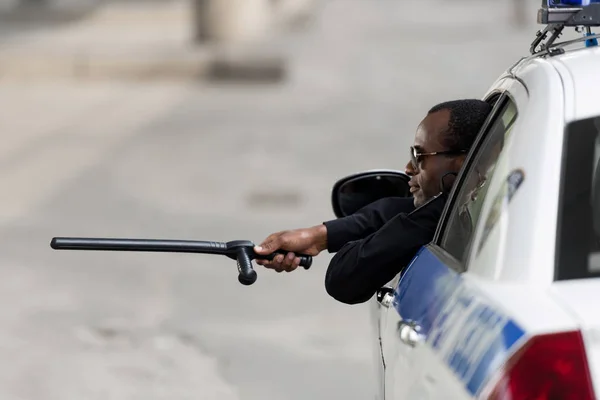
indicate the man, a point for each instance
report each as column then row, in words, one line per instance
column 379, row 241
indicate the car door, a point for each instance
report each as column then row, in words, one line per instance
column 379, row 320
column 432, row 338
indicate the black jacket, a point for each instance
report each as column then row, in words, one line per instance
column 375, row 244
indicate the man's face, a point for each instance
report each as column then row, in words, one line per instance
column 425, row 180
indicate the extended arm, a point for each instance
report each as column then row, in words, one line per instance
column 365, row 221
column 361, row 267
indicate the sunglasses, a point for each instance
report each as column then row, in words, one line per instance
column 415, row 156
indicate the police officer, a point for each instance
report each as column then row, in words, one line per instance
column 377, row 242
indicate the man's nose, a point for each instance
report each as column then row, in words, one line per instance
column 409, row 169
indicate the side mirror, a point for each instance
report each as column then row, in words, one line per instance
column 356, row 191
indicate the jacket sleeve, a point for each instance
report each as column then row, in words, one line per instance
column 365, row 221
column 362, row 267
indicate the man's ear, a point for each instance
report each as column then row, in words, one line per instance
column 457, row 162
column 447, row 181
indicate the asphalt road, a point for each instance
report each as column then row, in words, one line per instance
column 198, row 161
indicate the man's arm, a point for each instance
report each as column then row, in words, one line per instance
column 365, row 221
column 362, row 267
column 331, row 235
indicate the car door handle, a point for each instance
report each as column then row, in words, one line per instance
column 385, row 296
column 409, row 333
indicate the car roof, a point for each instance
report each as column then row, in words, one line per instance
column 578, row 72
column 580, row 68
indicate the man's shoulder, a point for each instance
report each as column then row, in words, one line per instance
column 403, row 203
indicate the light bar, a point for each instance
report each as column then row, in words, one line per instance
column 571, row 3
column 570, row 12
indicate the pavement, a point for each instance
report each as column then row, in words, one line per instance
column 136, row 40
column 120, row 39
column 188, row 159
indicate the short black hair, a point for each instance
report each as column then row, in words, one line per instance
column 467, row 117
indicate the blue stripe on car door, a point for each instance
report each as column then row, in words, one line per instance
column 464, row 328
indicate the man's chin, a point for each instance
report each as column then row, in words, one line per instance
column 418, row 199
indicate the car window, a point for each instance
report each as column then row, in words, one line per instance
column 578, row 228
column 466, row 205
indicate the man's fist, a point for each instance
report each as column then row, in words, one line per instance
column 309, row 241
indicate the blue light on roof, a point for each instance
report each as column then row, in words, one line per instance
column 571, row 3
column 570, row 12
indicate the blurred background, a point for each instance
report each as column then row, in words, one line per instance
column 210, row 120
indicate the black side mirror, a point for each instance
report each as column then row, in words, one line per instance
column 356, row 191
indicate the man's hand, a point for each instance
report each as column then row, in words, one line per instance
column 309, row 241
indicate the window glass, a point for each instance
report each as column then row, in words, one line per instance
column 578, row 251
column 466, row 206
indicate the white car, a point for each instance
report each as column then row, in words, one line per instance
column 512, row 309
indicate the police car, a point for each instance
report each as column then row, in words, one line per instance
column 512, row 311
